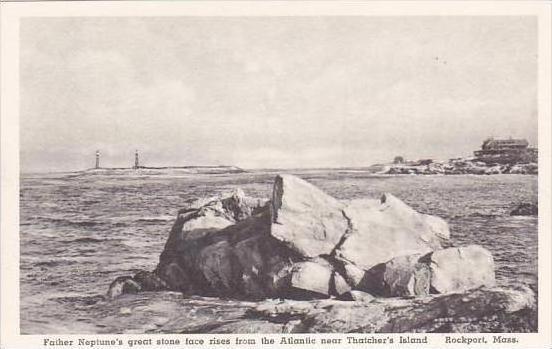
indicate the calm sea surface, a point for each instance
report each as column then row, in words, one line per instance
column 79, row 232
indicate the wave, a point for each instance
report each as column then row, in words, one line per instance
column 83, row 240
column 54, row 263
column 83, row 300
column 65, row 221
column 162, row 219
column 115, row 222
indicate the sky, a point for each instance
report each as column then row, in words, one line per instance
column 271, row 92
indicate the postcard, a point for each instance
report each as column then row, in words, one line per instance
column 275, row 174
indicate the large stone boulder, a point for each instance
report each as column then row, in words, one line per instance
column 461, row 268
column 442, row 271
column 241, row 261
column 195, row 226
column 387, row 228
column 301, row 244
column 228, row 247
column 305, row 218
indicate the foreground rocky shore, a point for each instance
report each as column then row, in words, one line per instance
column 482, row 310
column 306, row 262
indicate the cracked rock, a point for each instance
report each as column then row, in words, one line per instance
column 386, row 228
column 305, row 218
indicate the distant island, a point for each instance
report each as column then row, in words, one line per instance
column 151, row 170
column 496, row 156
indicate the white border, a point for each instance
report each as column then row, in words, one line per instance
column 11, row 13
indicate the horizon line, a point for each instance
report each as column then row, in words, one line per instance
column 205, row 166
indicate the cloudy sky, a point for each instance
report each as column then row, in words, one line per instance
column 268, row 92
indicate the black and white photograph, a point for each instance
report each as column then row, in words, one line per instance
column 242, row 174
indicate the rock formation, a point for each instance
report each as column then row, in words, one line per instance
column 305, row 245
column 302, row 244
column 477, row 311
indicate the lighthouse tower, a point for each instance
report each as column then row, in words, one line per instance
column 136, row 162
column 97, row 159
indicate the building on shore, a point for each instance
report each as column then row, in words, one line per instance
column 398, row 160
column 506, row 151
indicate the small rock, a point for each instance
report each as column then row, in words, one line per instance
column 526, row 209
column 493, row 170
column 353, row 274
column 160, row 320
column 122, row 285
column 400, row 277
column 149, row 281
column 125, row 311
column 359, row 296
column 316, row 277
column 289, row 308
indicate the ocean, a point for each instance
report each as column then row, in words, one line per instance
column 79, row 231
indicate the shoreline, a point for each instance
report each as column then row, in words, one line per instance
column 375, row 170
